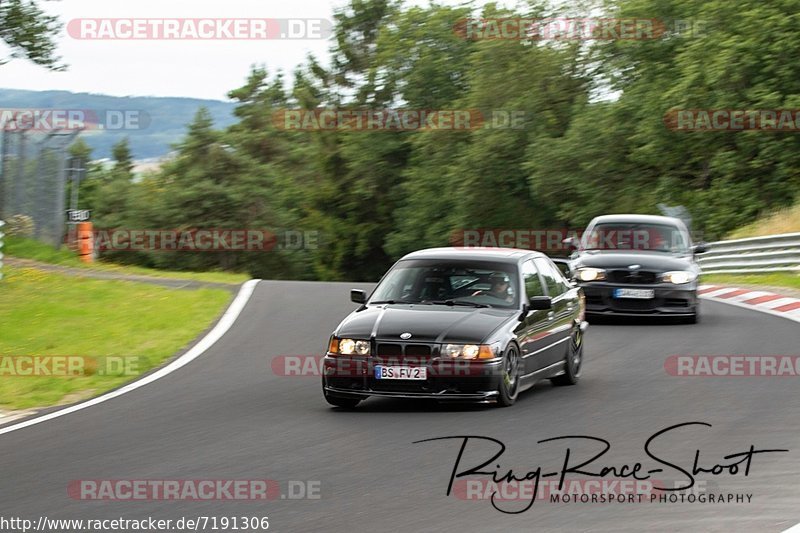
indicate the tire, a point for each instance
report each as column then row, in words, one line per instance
column 573, row 361
column 341, row 401
column 509, row 378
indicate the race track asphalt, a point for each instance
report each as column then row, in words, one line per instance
column 227, row 415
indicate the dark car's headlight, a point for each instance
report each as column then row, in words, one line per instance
column 678, row 277
column 348, row 347
column 591, row 274
column 469, row 351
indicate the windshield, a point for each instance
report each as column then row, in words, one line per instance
column 438, row 282
column 636, row 237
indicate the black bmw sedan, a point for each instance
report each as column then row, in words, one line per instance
column 632, row 265
column 474, row 324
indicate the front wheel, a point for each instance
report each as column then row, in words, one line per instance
column 572, row 362
column 509, row 380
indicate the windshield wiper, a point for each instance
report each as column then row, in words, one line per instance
column 457, row 302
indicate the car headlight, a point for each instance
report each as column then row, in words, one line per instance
column 591, row 274
column 353, row 347
column 468, row 351
column 678, row 277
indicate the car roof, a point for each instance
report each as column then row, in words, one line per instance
column 503, row 255
column 630, row 218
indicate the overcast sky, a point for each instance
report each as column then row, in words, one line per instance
column 202, row 69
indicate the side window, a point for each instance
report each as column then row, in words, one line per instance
column 533, row 284
column 552, row 277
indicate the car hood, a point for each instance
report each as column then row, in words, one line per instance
column 425, row 323
column 656, row 262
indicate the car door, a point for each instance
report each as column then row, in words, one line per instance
column 533, row 336
column 560, row 316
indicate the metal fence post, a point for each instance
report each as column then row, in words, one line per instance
column 1, row 248
column 61, row 193
column 19, row 183
column 3, row 172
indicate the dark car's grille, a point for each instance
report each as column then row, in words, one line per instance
column 624, row 304
column 407, row 349
column 642, row 277
column 418, row 350
column 389, row 350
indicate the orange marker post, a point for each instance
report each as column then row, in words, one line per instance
column 85, row 242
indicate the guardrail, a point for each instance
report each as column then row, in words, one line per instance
column 773, row 253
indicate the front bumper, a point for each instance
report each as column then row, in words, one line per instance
column 669, row 300
column 446, row 380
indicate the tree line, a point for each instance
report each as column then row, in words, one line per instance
column 590, row 135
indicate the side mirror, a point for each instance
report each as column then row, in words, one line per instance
column 358, row 296
column 700, row 248
column 570, row 243
column 540, row 303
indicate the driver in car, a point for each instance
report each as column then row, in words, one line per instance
column 499, row 288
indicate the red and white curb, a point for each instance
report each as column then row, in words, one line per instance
column 764, row 301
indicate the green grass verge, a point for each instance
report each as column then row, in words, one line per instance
column 31, row 249
column 771, row 279
column 53, row 314
column 781, row 221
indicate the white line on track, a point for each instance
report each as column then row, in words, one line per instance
column 224, row 324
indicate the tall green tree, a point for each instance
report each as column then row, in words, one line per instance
column 30, row 33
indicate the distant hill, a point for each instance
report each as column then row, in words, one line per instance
column 168, row 117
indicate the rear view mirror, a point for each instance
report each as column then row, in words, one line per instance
column 358, row 296
column 540, row 303
column 570, row 243
column 700, row 248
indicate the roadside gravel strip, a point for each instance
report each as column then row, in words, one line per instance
column 764, row 301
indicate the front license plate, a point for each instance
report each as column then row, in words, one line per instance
column 401, row 372
column 637, row 294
